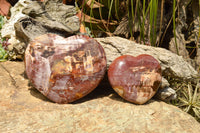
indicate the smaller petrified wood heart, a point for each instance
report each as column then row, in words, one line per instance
column 136, row 79
column 65, row 69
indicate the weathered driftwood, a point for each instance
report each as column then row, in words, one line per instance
column 32, row 18
column 47, row 18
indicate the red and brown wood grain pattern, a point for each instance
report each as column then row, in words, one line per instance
column 136, row 79
column 65, row 69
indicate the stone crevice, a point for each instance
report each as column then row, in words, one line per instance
column 14, row 83
column 109, row 43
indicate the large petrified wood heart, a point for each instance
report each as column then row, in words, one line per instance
column 135, row 79
column 65, row 69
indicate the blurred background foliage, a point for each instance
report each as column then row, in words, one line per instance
column 171, row 24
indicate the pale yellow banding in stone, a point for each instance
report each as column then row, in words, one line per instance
column 79, row 95
column 87, row 62
column 68, row 63
column 119, row 90
column 150, row 77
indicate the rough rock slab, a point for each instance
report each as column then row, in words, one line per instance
column 171, row 64
column 24, row 109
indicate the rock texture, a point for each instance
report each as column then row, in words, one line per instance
column 30, row 19
column 24, row 109
column 136, row 79
column 171, row 64
column 65, row 69
column 16, row 48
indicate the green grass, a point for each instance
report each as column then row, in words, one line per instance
column 189, row 100
column 174, row 25
column 144, row 11
column 198, row 40
column 1, row 22
column 3, row 52
column 188, row 96
column 153, row 20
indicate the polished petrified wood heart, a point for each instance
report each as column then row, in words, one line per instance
column 65, row 69
column 135, row 79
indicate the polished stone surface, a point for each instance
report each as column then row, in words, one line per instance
column 135, row 79
column 65, row 69
column 24, row 109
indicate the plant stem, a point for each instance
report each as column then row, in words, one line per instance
column 174, row 25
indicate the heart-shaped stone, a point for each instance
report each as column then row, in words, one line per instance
column 65, row 69
column 136, row 79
